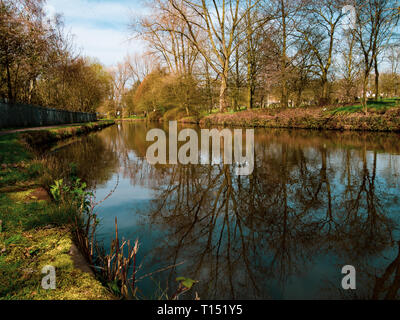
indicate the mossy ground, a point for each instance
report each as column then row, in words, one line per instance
column 35, row 233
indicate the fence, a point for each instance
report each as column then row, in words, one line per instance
column 21, row 115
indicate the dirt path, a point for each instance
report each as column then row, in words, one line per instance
column 3, row 132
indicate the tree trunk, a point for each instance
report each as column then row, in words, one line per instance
column 250, row 83
column 9, row 85
column 284, row 97
column 236, row 96
column 376, row 79
column 223, row 92
column 298, row 98
column 209, row 89
column 364, row 97
column 284, row 91
column 250, row 96
column 250, row 63
column 325, row 92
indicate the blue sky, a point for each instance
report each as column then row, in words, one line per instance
column 100, row 27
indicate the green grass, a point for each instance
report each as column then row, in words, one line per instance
column 17, row 212
column 12, row 150
column 70, row 125
column 135, row 117
column 35, row 233
column 217, row 110
column 15, row 162
column 16, row 166
column 21, row 175
column 380, row 106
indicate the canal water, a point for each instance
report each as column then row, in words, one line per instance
column 316, row 201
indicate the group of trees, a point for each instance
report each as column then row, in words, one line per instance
column 38, row 63
column 203, row 54
column 254, row 53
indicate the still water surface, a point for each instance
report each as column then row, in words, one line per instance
column 315, row 202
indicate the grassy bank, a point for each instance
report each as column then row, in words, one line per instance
column 380, row 117
column 19, row 170
column 34, row 230
column 43, row 137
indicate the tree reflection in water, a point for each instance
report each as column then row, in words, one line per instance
column 315, row 202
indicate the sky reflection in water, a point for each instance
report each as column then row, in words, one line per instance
column 315, row 202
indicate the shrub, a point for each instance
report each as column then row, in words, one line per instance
column 174, row 114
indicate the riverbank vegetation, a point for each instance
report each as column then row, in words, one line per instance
column 381, row 117
column 35, row 230
column 204, row 59
column 40, row 65
column 18, row 165
column 201, row 59
column 34, row 234
column 48, row 217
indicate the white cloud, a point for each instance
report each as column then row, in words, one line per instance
column 100, row 28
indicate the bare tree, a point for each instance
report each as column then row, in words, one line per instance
column 376, row 20
column 349, row 65
column 140, row 65
column 219, row 20
column 256, row 26
column 283, row 13
column 318, row 27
